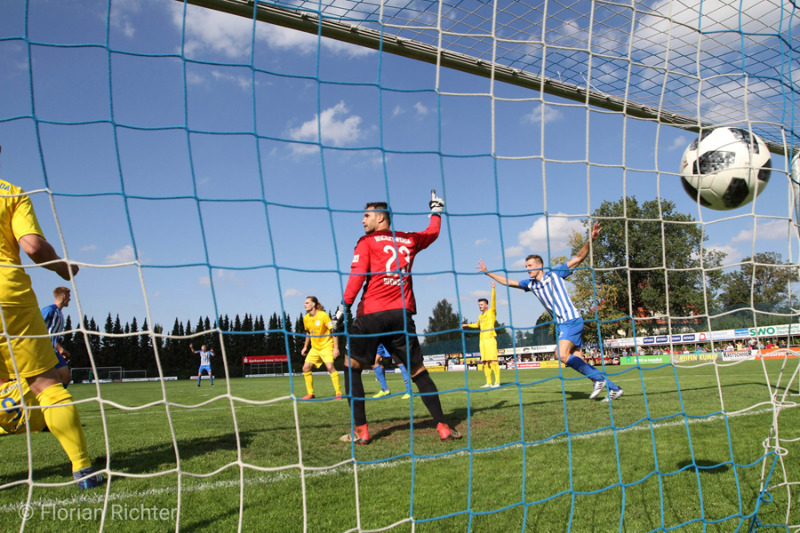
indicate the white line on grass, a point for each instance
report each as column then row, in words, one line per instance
column 285, row 475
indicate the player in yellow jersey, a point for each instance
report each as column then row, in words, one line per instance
column 324, row 348
column 26, row 352
column 13, row 418
column 488, row 339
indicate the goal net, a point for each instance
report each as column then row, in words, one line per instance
column 212, row 158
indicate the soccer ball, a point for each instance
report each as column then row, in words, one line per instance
column 725, row 168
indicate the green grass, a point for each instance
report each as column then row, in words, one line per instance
column 535, row 457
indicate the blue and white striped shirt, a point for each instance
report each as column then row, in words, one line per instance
column 552, row 292
column 54, row 320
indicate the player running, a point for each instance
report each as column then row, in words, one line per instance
column 488, row 339
column 552, row 293
column 382, row 260
column 205, row 362
column 324, row 348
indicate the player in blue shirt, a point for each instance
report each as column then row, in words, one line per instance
column 54, row 320
column 552, row 293
column 205, row 362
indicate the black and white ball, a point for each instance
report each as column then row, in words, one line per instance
column 725, row 168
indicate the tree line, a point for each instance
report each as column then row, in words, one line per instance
column 127, row 346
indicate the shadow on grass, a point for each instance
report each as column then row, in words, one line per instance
column 704, row 466
column 453, row 418
column 148, row 459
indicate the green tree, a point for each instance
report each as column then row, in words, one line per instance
column 762, row 284
column 648, row 261
column 444, row 333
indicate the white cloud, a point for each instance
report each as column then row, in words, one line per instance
column 288, row 293
column 397, row 111
column 678, row 143
column 421, row 109
column 554, row 230
column 514, row 251
column 770, row 230
column 121, row 16
column 122, row 255
column 228, row 276
column 548, row 113
column 231, row 36
column 732, row 254
column 338, row 129
column 481, row 241
column 244, row 82
column 88, row 248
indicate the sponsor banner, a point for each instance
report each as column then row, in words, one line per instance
column 695, row 357
column 204, row 376
column 741, row 332
column 437, row 357
column 457, row 368
column 266, row 375
column 523, row 364
column 724, row 335
column 645, row 360
column 737, row 356
column 428, row 364
column 436, row 368
column 550, row 364
column 473, row 355
column 251, row 359
column 778, row 353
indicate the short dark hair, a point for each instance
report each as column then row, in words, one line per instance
column 382, row 207
column 484, row 300
column 58, row 291
column 536, row 257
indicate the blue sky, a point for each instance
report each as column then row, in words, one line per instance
column 205, row 168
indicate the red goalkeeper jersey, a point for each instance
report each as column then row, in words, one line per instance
column 383, row 261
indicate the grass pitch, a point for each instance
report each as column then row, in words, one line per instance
column 682, row 447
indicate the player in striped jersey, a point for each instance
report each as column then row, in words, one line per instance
column 205, row 363
column 54, row 320
column 552, row 293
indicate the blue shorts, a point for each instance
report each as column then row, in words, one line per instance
column 571, row 331
column 61, row 361
column 207, row 368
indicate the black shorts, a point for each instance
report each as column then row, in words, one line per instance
column 395, row 329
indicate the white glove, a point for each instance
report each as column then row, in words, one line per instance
column 337, row 318
column 436, row 204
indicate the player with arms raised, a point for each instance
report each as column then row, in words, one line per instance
column 205, row 362
column 488, row 339
column 382, row 260
column 551, row 291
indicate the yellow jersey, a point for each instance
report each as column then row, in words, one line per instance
column 319, row 326
column 12, row 417
column 17, row 219
column 487, row 319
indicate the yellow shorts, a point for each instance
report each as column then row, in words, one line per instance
column 317, row 357
column 12, row 417
column 33, row 356
column 489, row 349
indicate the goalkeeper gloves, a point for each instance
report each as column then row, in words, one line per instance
column 337, row 318
column 436, row 204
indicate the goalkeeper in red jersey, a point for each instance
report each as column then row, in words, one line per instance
column 382, row 260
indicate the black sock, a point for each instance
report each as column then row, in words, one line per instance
column 425, row 384
column 357, row 387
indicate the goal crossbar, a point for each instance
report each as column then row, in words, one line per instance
column 380, row 40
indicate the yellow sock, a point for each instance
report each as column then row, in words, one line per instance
column 496, row 368
column 335, row 380
column 309, row 382
column 65, row 423
column 487, row 371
